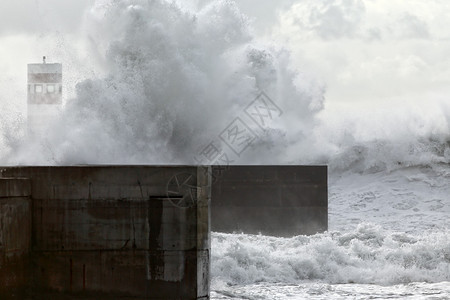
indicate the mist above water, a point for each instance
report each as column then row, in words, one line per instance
column 175, row 78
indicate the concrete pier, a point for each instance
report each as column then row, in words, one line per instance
column 98, row 232
column 15, row 237
column 272, row 200
column 141, row 232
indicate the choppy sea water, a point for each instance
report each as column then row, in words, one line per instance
column 322, row 291
column 389, row 238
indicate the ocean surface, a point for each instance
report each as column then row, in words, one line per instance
column 388, row 238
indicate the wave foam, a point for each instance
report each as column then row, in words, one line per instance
column 367, row 254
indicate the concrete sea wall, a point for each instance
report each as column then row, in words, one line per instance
column 272, row 200
column 141, row 232
column 15, row 236
column 129, row 231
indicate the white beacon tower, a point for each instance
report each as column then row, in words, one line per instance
column 44, row 95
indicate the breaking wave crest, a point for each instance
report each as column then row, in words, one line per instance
column 368, row 254
column 174, row 78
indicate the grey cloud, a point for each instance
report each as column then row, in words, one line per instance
column 412, row 27
column 401, row 27
column 331, row 19
column 39, row 16
column 335, row 19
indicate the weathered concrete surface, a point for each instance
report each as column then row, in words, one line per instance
column 110, row 231
column 15, row 236
column 15, row 187
column 272, row 200
column 102, row 232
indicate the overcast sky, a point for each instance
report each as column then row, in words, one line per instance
column 362, row 50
